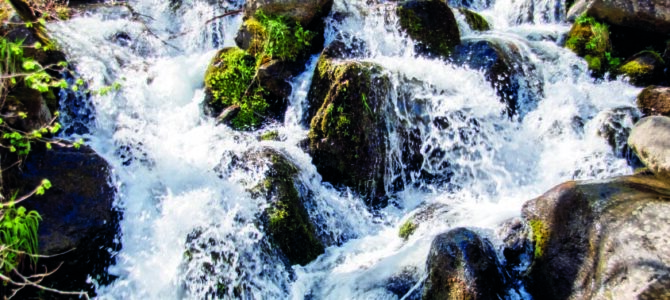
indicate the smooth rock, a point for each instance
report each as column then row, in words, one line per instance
column 650, row 139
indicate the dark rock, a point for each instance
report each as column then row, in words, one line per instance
column 517, row 247
column 503, row 66
column 644, row 68
column 22, row 99
column 593, row 239
column 80, row 224
column 431, row 24
column 461, row 265
column 347, row 130
column 654, row 100
column 401, row 284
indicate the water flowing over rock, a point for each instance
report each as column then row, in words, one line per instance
column 462, row 265
column 80, row 224
column 431, row 24
column 649, row 140
column 654, row 100
column 593, row 239
column 347, row 138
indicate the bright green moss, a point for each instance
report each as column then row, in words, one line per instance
column 270, row 135
column 407, row 229
column 540, row 236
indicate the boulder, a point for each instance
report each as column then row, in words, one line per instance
column 462, row 265
column 649, row 141
column 591, row 40
column 503, row 67
column 593, row 239
column 79, row 222
column 431, row 24
column 644, row 68
column 654, row 100
column 305, row 12
column 647, row 15
column 347, row 137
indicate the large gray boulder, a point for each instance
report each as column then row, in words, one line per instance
column 648, row 15
column 650, row 139
column 601, row 240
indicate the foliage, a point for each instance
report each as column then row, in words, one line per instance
column 591, row 40
column 233, row 78
column 283, row 41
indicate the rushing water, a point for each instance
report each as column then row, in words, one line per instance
column 189, row 227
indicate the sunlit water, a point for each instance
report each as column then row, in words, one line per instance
column 184, row 184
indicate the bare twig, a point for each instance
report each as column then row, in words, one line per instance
column 228, row 13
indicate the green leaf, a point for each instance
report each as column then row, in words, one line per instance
column 39, row 191
column 46, row 183
column 48, row 145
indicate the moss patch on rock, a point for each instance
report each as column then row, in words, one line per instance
column 347, row 138
column 407, row 229
column 644, row 68
column 591, row 39
column 475, row 20
column 431, row 24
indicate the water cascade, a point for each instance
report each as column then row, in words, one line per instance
column 190, row 227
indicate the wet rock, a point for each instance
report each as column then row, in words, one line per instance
column 475, row 20
column 401, row 284
column 462, row 265
column 649, row 141
column 615, row 126
column 347, row 137
column 288, row 223
column 431, row 24
column 503, row 66
column 654, row 100
column 592, row 240
column 591, row 40
column 22, row 99
column 516, row 245
column 303, row 11
column 79, row 222
column 648, row 15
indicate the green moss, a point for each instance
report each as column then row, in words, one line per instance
column 407, row 229
column 593, row 62
column 475, row 20
column 634, row 69
column 540, row 236
column 270, row 136
column 230, row 78
column 591, row 40
column 431, row 24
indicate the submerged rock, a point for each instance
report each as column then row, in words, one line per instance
column 79, row 224
column 461, row 265
column 431, row 24
column 592, row 239
column 347, row 137
column 512, row 77
column 654, row 100
column 649, row 139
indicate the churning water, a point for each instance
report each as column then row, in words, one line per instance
column 190, row 225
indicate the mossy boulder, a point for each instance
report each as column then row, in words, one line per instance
column 506, row 70
column 654, row 100
column 431, row 24
column 288, row 224
column 644, row 68
column 79, row 224
column 591, row 40
column 649, row 140
column 591, row 239
column 475, row 20
column 230, row 81
column 462, row 265
column 347, row 137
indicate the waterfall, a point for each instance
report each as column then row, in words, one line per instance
column 189, row 227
